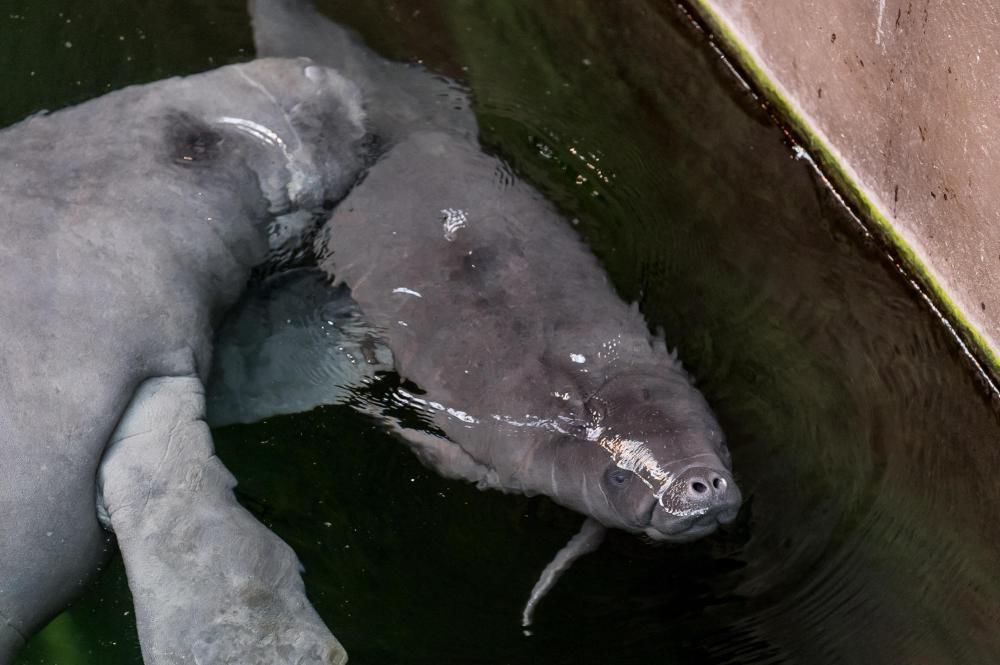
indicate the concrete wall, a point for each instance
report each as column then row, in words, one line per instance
column 900, row 99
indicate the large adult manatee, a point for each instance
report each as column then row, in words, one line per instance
column 130, row 223
column 541, row 378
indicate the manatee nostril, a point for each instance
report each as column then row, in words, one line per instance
column 702, row 497
column 709, row 488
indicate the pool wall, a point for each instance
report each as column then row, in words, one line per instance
column 896, row 101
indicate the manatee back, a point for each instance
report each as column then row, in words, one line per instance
column 486, row 296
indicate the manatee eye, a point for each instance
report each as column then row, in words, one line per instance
column 616, row 476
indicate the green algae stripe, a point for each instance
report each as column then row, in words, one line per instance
column 840, row 177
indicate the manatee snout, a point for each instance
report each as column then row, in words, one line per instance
column 711, row 490
column 697, row 501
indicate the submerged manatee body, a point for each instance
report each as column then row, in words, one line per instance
column 538, row 372
column 543, row 380
column 130, row 223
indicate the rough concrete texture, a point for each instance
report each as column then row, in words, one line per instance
column 903, row 96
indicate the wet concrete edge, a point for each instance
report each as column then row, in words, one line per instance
column 837, row 172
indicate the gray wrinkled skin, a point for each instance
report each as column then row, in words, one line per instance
column 130, row 223
column 543, row 380
column 209, row 582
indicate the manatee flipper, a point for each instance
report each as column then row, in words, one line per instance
column 446, row 457
column 587, row 540
column 211, row 584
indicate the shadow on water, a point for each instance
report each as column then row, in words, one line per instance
column 866, row 449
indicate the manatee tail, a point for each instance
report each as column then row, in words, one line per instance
column 293, row 28
column 587, row 540
column 400, row 98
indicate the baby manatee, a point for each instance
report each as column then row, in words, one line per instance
column 541, row 378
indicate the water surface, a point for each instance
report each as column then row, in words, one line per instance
column 865, row 447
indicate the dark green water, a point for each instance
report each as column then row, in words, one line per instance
column 866, row 448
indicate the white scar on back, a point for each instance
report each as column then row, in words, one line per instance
column 409, row 292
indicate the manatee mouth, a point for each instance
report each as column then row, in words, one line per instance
column 688, row 535
column 691, row 527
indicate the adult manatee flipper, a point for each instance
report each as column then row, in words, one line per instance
column 130, row 224
column 210, row 583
